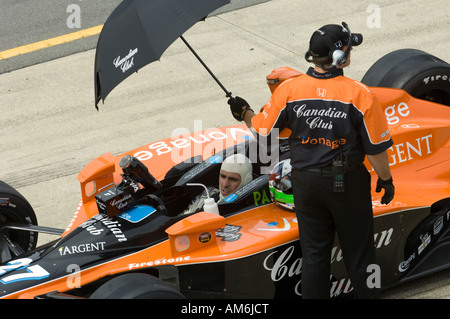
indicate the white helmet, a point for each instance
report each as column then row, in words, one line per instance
column 241, row 164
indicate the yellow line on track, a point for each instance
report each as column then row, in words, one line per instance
column 50, row 42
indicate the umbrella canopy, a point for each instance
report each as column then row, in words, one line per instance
column 138, row 32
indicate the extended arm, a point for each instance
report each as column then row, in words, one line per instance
column 380, row 164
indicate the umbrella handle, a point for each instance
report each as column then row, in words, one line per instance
column 228, row 94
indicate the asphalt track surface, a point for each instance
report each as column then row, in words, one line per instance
column 50, row 129
column 28, row 22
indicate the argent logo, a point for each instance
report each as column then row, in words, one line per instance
column 82, row 248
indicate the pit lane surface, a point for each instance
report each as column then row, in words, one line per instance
column 50, row 129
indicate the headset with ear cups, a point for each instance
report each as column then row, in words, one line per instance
column 337, row 57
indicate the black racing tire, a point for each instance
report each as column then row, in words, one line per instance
column 421, row 74
column 136, row 286
column 14, row 208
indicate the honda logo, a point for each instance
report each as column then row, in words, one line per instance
column 321, row 92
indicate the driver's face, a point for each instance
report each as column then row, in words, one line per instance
column 228, row 182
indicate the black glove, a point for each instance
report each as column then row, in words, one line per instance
column 389, row 190
column 238, row 107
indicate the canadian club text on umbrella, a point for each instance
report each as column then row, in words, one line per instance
column 138, row 32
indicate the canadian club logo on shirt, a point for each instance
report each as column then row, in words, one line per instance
column 314, row 116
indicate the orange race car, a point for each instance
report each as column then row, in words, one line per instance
column 129, row 236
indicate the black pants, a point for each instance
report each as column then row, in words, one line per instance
column 321, row 214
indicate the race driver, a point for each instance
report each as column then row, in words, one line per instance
column 332, row 122
column 235, row 172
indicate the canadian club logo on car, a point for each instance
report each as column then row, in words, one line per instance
column 113, row 201
column 285, row 265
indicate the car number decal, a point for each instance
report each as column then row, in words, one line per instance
column 34, row 272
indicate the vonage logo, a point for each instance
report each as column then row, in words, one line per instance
column 333, row 144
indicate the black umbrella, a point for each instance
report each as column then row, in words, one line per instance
column 138, row 32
